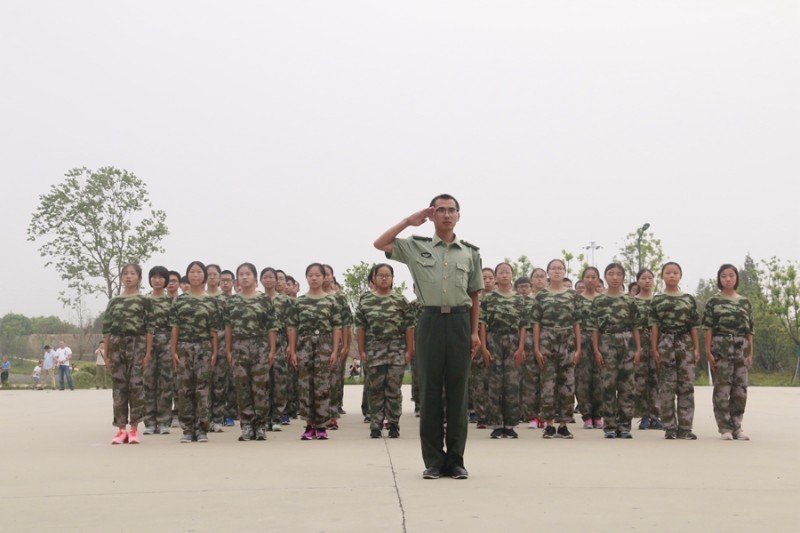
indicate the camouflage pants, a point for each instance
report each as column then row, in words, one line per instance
column 279, row 384
column 292, row 392
column 558, row 376
column 222, row 405
column 530, row 396
column 618, row 381
column 646, row 389
column 676, row 380
column 588, row 381
column 384, row 395
column 478, row 392
column 158, row 383
column 251, row 375
column 126, row 355
column 337, row 386
column 194, row 371
column 502, row 405
column 730, row 381
column 314, row 377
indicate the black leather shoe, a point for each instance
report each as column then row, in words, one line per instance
column 433, row 472
column 458, row 472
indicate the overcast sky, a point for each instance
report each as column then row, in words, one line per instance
column 284, row 133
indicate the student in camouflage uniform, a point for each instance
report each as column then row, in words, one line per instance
column 250, row 334
column 612, row 322
column 385, row 332
column 500, row 325
column 337, row 374
column 531, row 372
column 195, row 321
column 556, row 333
column 588, row 377
column 415, row 309
column 292, row 400
column 728, row 321
column 173, row 290
column 221, row 413
column 125, row 326
column 279, row 378
column 675, row 346
column 158, row 375
column 314, row 328
column 646, row 403
column 479, row 372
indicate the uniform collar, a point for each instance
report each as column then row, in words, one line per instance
column 436, row 241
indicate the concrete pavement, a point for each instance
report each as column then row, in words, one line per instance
column 60, row 472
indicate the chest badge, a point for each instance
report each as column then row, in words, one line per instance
column 426, row 254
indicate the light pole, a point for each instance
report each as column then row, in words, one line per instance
column 640, row 232
column 592, row 246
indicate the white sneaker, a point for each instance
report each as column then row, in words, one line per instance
column 741, row 435
column 276, row 426
column 726, row 436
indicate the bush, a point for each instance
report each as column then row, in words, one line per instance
column 82, row 379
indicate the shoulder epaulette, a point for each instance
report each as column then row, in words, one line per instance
column 465, row 243
column 421, row 238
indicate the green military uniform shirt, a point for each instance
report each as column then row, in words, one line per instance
column 728, row 315
column 445, row 275
column 250, row 316
column 127, row 315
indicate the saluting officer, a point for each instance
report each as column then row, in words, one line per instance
column 447, row 274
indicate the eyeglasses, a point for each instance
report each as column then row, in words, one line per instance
column 446, row 210
column 384, row 276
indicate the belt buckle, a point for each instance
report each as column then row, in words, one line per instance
column 445, row 309
column 316, row 332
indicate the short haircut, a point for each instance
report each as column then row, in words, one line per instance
column 522, row 280
column 724, row 267
column 159, row 272
column 445, row 196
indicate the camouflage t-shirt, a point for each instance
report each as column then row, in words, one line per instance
column 346, row 315
column 250, row 316
column 415, row 310
column 221, row 300
column 127, row 315
column 195, row 317
column 612, row 313
column 643, row 312
column 282, row 305
column 585, row 305
column 384, row 317
column 314, row 313
column 556, row 309
column 728, row 315
column 674, row 312
column 501, row 312
column 159, row 317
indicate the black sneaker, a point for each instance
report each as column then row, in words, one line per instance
column 374, row 433
column 670, row 434
column 498, row 433
column 563, row 433
column 394, row 431
column 645, row 423
column 433, row 472
column 625, row 434
column 366, row 419
column 473, row 418
column 611, row 434
column 655, row 423
column 549, row 432
column 511, row 434
column 686, row 434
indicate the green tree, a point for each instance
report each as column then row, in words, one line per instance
column 519, row 268
column 580, row 259
column 652, row 253
column 92, row 224
column 14, row 330
column 355, row 283
column 782, row 297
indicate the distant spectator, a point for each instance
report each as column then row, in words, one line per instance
column 100, row 367
column 37, row 376
column 49, row 366
column 355, row 369
column 63, row 356
column 4, row 373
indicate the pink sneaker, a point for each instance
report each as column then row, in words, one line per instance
column 587, row 424
column 133, row 436
column 322, row 434
column 533, row 423
column 598, row 423
column 309, row 434
column 120, row 438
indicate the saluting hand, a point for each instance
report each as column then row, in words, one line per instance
column 419, row 218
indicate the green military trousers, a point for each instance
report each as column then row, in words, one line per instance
column 443, row 361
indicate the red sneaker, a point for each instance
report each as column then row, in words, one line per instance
column 133, row 436
column 120, row 438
